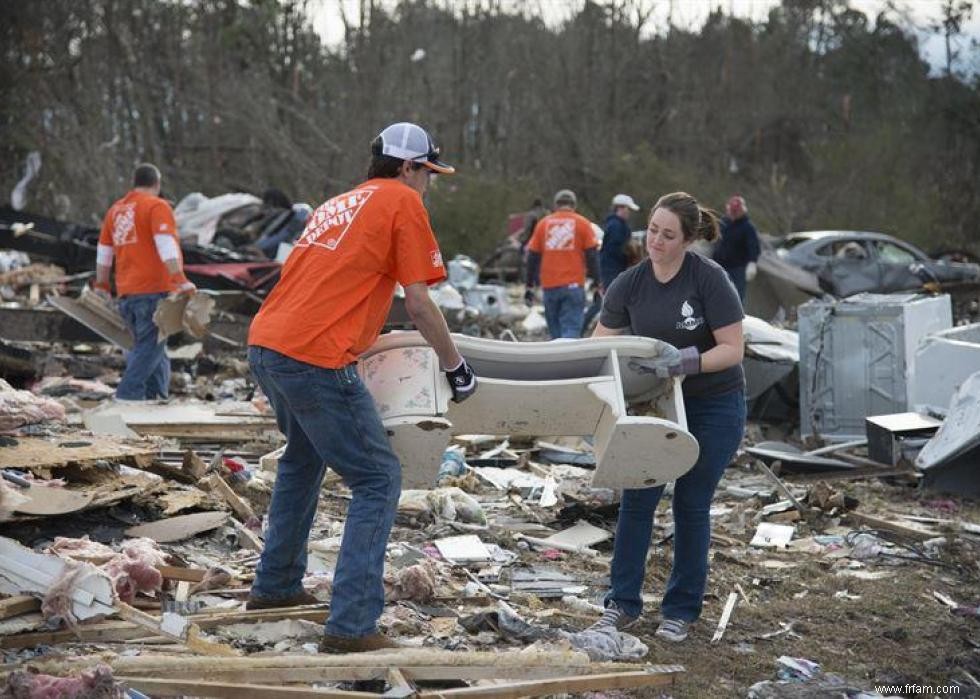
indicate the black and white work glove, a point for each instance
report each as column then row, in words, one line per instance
column 463, row 382
column 671, row 362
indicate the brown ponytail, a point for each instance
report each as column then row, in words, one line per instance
column 696, row 221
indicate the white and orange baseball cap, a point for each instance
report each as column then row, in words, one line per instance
column 411, row 142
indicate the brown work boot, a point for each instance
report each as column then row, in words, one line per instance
column 297, row 600
column 341, row 644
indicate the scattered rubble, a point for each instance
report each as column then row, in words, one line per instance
column 131, row 532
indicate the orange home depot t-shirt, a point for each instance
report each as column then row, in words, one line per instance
column 561, row 239
column 129, row 227
column 337, row 285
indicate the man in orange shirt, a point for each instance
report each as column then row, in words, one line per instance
column 562, row 247
column 328, row 307
column 140, row 234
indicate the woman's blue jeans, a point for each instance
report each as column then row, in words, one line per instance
column 147, row 374
column 329, row 419
column 717, row 422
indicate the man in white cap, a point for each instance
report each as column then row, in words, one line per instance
column 328, row 308
column 617, row 233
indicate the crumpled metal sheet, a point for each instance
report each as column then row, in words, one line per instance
column 960, row 432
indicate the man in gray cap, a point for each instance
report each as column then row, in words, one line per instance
column 562, row 248
column 327, row 309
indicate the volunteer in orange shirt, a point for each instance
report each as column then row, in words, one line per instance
column 562, row 247
column 328, row 307
column 140, row 235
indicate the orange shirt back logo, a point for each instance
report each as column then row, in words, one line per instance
column 124, row 225
column 560, row 235
column 331, row 221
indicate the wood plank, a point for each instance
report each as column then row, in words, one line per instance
column 652, row 677
column 399, row 687
column 856, row 474
column 101, row 631
column 188, row 634
column 124, row 631
column 17, row 605
column 78, row 449
column 194, row 465
column 200, row 688
column 217, row 484
column 895, row 527
column 97, row 315
column 657, row 676
column 726, row 615
column 249, row 538
column 403, row 658
column 284, row 675
column 178, row 573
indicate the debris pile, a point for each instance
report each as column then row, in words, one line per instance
column 132, row 531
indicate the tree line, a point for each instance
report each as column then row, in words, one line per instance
column 821, row 116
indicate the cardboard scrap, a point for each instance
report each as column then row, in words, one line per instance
column 183, row 312
column 35, row 453
column 178, row 528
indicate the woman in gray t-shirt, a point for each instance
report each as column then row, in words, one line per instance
column 687, row 300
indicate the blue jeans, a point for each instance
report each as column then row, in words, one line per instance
column 328, row 418
column 147, row 374
column 564, row 310
column 717, row 422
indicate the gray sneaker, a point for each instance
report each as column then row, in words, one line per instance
column 613, row 617
column 673, row 630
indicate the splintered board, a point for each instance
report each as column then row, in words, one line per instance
column 70, row 449
column 184, row 420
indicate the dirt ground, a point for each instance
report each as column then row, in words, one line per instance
column 897, row 633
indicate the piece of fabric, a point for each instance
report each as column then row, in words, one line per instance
column 684, row 312
column 103, row 255
column 561, row 239
column 564, row 311
column 717, row 422
column 612, row 254
column 130, row 227
column 328, row 417
column 147, row 374
column 738, row 244
column 337, row 285
column 167, row 247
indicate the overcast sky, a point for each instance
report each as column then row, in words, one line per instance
column 692, row 13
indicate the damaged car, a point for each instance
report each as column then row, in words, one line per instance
column 851, row 262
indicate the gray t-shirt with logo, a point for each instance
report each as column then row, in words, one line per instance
column 684, row 312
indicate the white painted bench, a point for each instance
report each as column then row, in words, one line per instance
column 567, row 387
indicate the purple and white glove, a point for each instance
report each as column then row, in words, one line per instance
column 671, row 362
column 690, row 363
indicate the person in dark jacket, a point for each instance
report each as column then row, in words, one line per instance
column 616, row 234
column 738, row 248
column 613, row 258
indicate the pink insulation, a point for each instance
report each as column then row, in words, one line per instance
column 24, row 408
column 97, row 683
column 133, row 569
